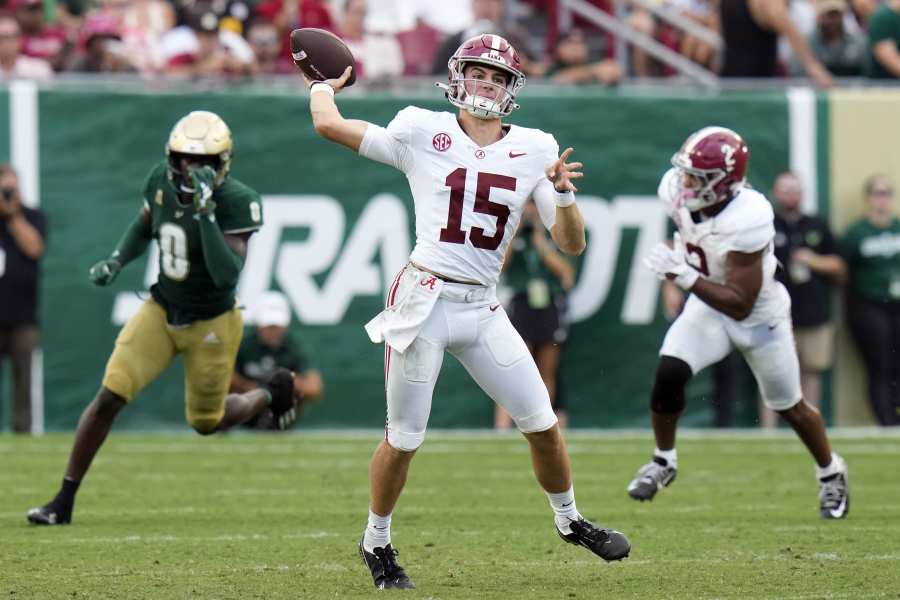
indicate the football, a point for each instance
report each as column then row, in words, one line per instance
column 320, row 54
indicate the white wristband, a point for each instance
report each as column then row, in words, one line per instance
column 686, row 279
column 320, row 86
column 565, row 199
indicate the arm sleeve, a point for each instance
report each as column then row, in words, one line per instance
column 390, row 145
column 223, row 263
column 544, row 195
column 241, row 212
column 135, row 239
column 752, row 239
column 880, row 28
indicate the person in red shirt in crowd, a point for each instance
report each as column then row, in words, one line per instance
column 12, row 64
column 101, row 47
column 266, row 44
column 40, row 40
column 291, row 14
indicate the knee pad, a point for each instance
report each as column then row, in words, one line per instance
column 540, row 421
column 782, row 405
column 403, row 441
column 672, row 375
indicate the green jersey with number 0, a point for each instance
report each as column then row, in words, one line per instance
column 185, row 288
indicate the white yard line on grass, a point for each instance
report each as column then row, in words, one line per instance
column 170, row 539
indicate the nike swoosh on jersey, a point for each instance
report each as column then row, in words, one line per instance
column 493, row 308
column 517, row 154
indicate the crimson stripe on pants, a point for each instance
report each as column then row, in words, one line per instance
column 392, row 294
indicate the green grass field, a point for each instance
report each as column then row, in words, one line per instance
column 178, row 516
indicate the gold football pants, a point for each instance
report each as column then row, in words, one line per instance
column 147, row 345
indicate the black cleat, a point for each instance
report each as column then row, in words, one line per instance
column 53, row 513
column 651, row 478
column 834, row 495
column 386, row 573
column 608, row 544
column 281, row 387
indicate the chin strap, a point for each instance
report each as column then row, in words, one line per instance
column 470, row 107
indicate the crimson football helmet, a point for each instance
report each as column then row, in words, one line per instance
column 491, row 51
column 717, row 158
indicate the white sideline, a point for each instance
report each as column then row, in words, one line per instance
column 641, row 434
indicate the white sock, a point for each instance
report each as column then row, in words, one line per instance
column 564, row 509
column 836, row 466
column 670, row 456
column 378, row 532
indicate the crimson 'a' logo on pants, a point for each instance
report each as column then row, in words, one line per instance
column 429, row 283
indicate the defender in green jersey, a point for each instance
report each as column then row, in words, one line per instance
column 202, row 220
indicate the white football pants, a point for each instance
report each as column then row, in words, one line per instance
column 478, row 333
column 701, row 336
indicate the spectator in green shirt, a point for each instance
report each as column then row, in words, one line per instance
column 268, row 346
column 539, row 277
column 884, row 41
column 871, row 248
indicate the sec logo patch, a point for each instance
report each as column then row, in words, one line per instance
column 441, row 142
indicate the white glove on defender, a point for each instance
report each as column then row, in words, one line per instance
column 670, row 261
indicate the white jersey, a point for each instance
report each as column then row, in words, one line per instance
column 468, row 199
column 746, row 225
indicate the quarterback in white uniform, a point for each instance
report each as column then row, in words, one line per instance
column 723, row 254
column 470, row 177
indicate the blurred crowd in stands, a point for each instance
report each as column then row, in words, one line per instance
column 240, row 39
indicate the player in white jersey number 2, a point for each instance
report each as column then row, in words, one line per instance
column 723, row 255
column 470, row 177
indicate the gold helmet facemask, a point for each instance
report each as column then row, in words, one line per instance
column 200, row 138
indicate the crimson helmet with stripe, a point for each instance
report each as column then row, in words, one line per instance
column 491, row 51
column 717, row 158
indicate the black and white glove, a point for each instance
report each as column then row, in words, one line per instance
column 204, row 179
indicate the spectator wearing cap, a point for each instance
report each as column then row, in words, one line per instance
column 883, row 56
column 40, row 40
column 13, row 65
column 836, row 40
column 202, row 49
column 871, row 247
column 269, row 346
column 806, row 248
column 286, row 15
column 103, row 51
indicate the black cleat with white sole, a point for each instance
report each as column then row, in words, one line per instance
column 52, row 513
column 834, row 496
column 608, row 544
column 386, row 573
column 281, row 388
column 651, row 478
